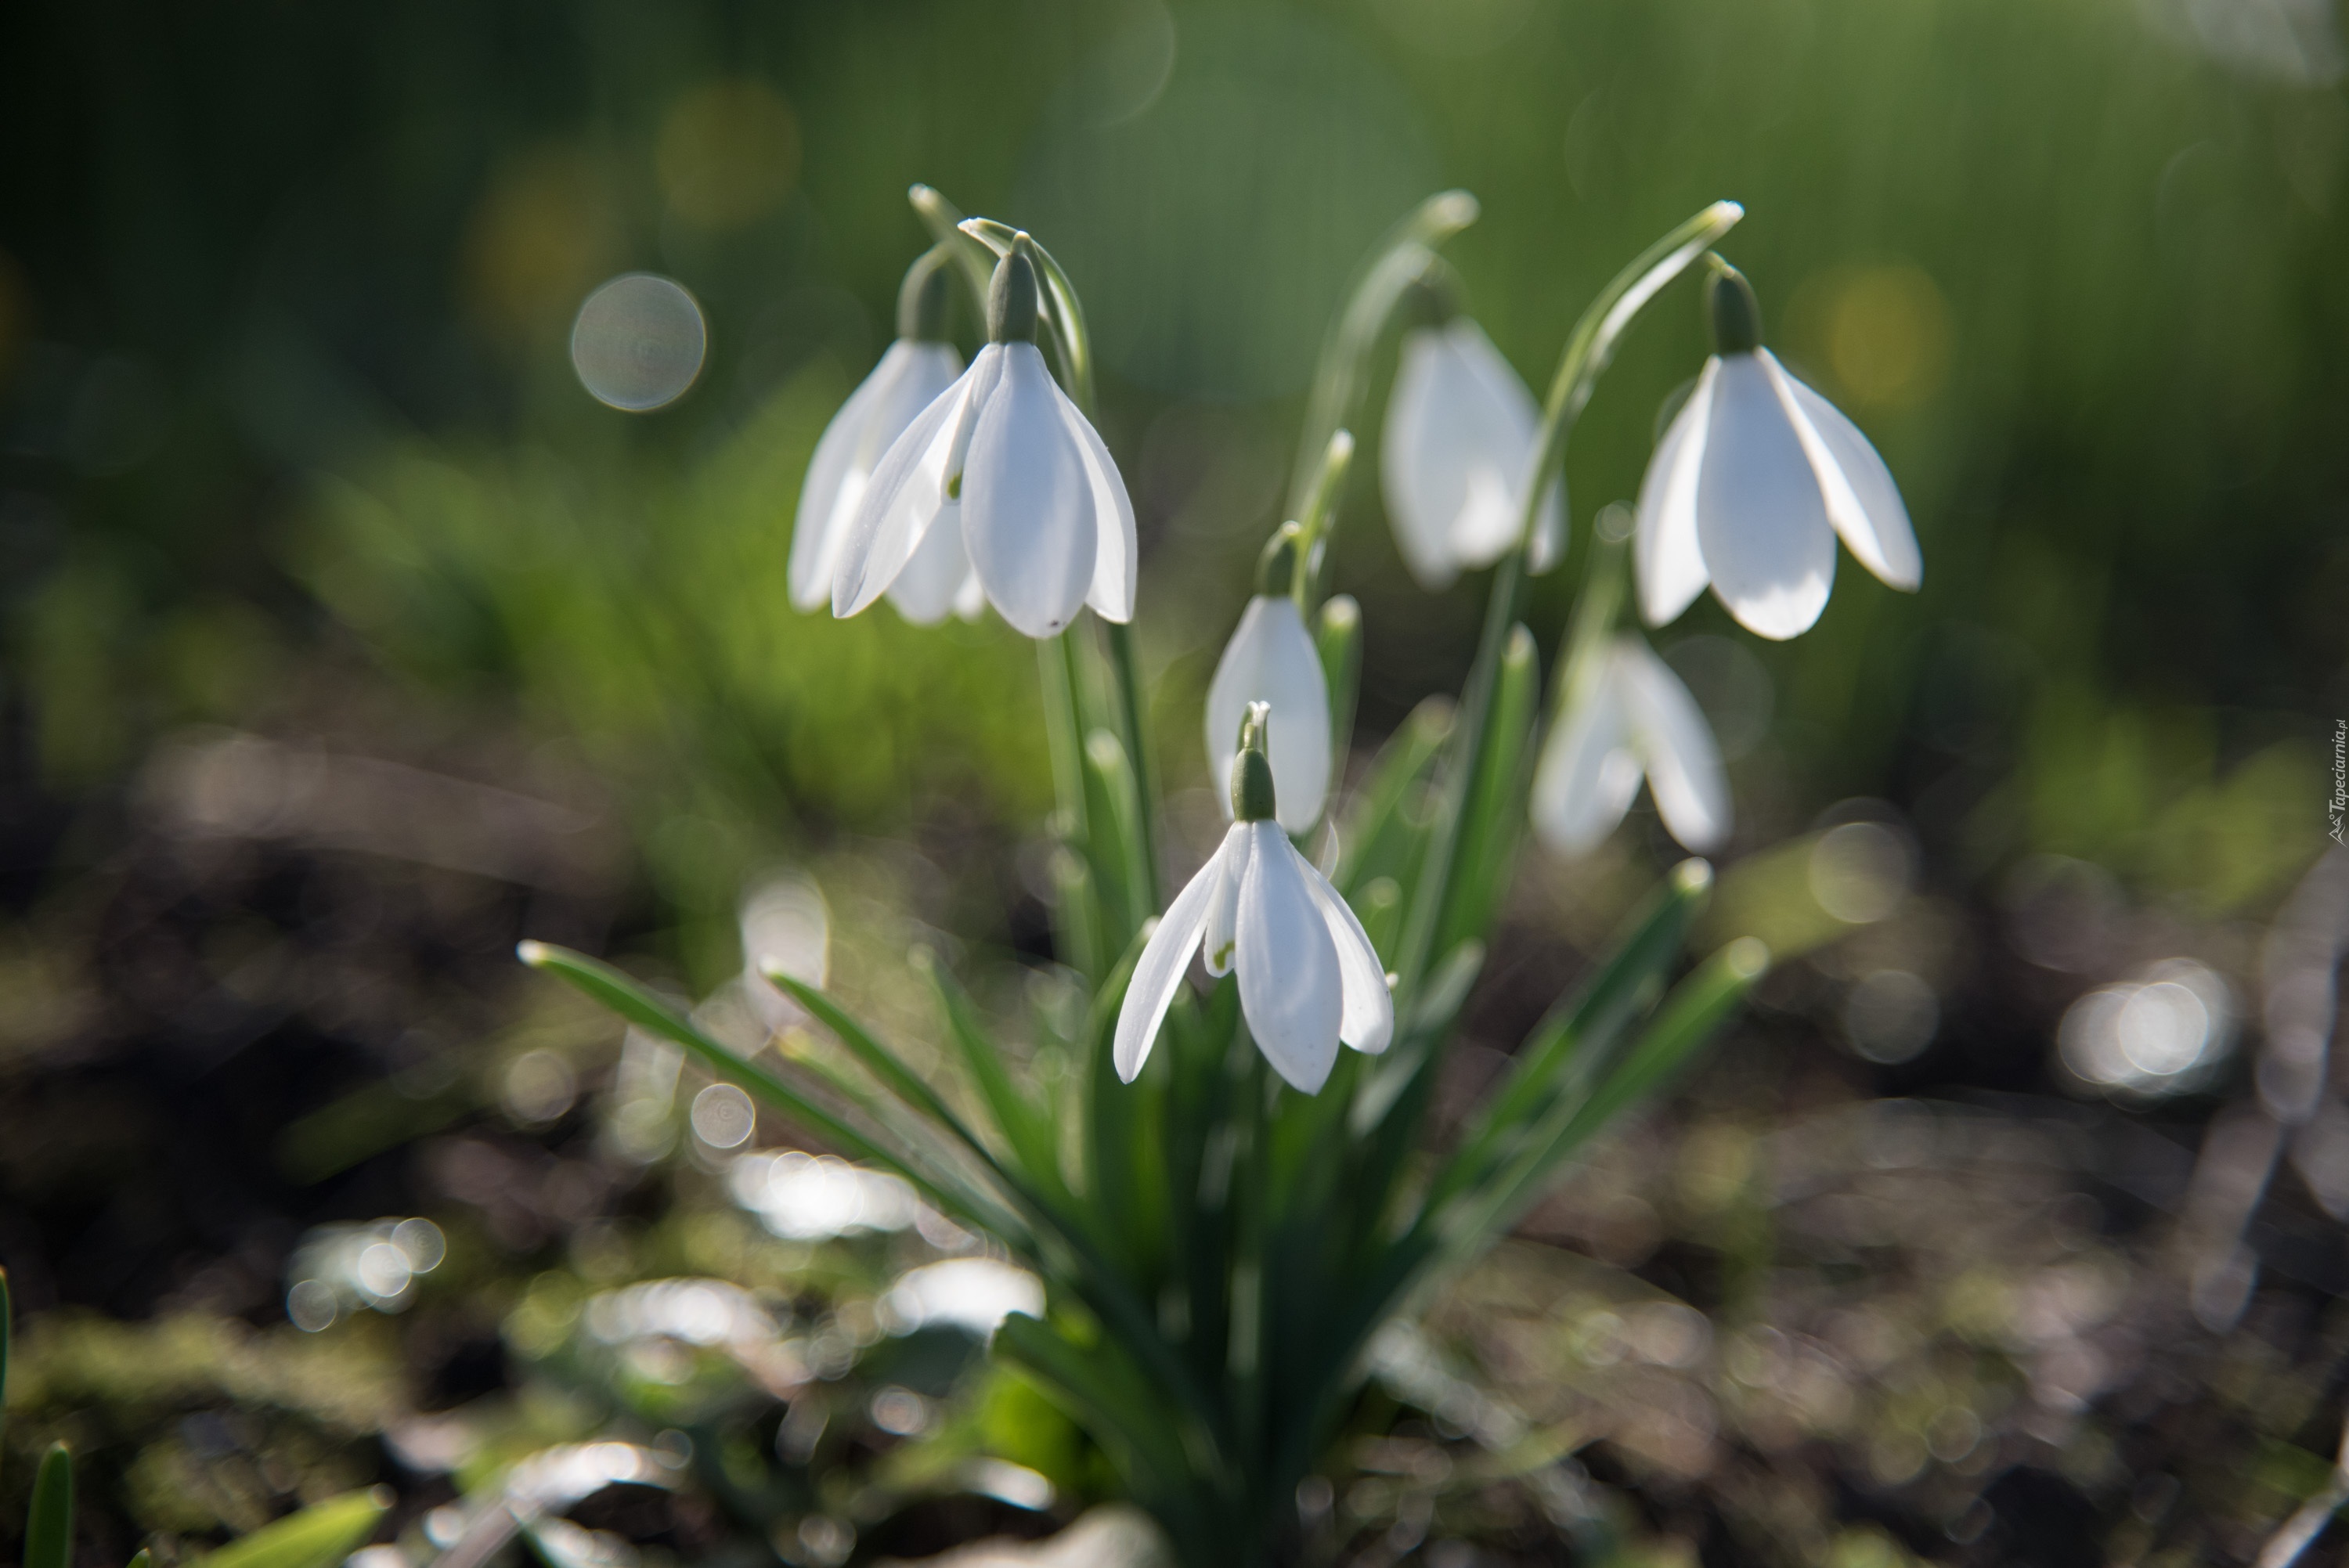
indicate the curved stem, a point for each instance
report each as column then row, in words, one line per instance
column 1314, row 518
column 1073, row 343
column 944, row 220
column 1342, row 376
column 1589, row 350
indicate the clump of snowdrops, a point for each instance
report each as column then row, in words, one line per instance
column 1241, row 1191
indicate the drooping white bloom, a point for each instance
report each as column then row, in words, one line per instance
column 1043, row 513
column 1271, row 659
column 909, row 379
column 1459, row 439
column 1308, row 976
column 1632, row 719
column 1751, row 484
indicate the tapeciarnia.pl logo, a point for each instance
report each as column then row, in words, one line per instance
column 2338, row 807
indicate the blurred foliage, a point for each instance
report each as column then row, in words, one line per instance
column 282, row 361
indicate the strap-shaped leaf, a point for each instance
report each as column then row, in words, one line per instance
column 623, row 996
column 1377, row 836
column 49, row 1527
column 1024, row 1127
column 1686, row 1021
column 1113, row 808
column 901, row 1080
column 1579, row 1034
column 319, row 1536
column 1492, row 822
column 1338, row 638
column 1111, row 1401
column 1134, row 728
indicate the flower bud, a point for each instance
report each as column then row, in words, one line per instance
column 924, row 298
column 1011, row 297
column 1732, row 311
column 1276, row 569
column 1252, row 793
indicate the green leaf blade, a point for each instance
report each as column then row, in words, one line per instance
column 49, row 1526
column 319, row 1536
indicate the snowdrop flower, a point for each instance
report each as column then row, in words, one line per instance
column 1752, row 482
column 1459, row 439
column 1271, row 659
column 1629, row 717
column 918, row 367
column 1006, row 456
column 1308, row 976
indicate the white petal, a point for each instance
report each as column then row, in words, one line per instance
column 1290, row 991
column 1271, row 659
column 1664, row 552
column 1026, row 504
column 901, row 502
column 925, row 590
column 1761, row 518
column 1166, row 959
column 1420, row 466
column 1587, row 773
column 970, row 599
column 821, row 524
column 1367, row 1022
column 1116, row 554
column 1683, row 761
column 1222, row 930
column 1504, row 418
column 1863, row 502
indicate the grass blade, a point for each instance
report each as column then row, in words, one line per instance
column 49, row 1527
column 1687, row 1020
column 1579, row 1034
column 319, row 1536
column 1379, row 834
column 1026, row 1129
column 631, row 1001
column 1495, row 817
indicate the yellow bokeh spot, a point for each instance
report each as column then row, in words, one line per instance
column 728, row 154
column 545, row 232
column 1882, row 331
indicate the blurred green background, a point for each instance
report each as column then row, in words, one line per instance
column 283, row 323
column 312, row 543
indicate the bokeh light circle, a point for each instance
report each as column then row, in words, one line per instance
column 638, row 342
column 723, row 1116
